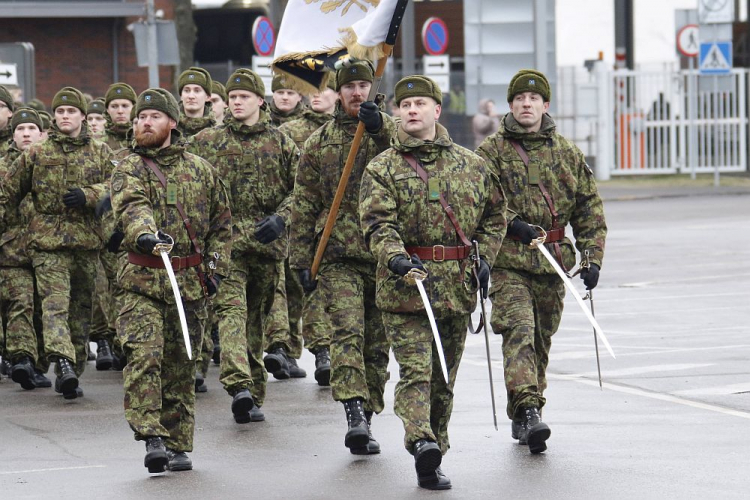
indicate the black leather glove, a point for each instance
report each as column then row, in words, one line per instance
column 369, row 114
column 113, row 245
column 401, row 265
column 269, row 229
column 483, row 275
column 523, row 231
column 75, row 197
column 147, row 242
column 103, row 206
column 212, row 285
column 590, row 276
column 305, row 279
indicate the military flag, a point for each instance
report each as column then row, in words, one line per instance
column 315, row 34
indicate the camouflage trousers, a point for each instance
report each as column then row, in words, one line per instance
column 316, row 326
column 243, row 301
column 423, row 401
column 282, row 325
column 104, row 312
column 65, row 282
column 526, row 311
column 159, row 379
column 359, row 348
column 207, row 349
column 17, row 313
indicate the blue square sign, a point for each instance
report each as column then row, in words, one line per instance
column 715, row 58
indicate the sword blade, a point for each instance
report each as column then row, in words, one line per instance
column 579, row 300
column 178, row 302
column 433, row 325
column 489, row 359
column 596, row 343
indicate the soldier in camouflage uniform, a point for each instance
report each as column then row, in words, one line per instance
column 359, row 349
column 66, row 175
column 159, row 377
column 95, row 117
column 316, row 329
column 194, row 86
column 286, row 104
column 258, row 163
column 119, row 101
column 218, row 101
column 548, row 185
column 402, row 216
column 6, row 112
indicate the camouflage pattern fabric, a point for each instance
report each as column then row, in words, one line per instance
column 303, row 126
column 188, row 127
column 6, row 139
column 116, row 135
column 282, row 324
column 527, row 295
column 17, row 312
column 279, row 118
column 316, row 326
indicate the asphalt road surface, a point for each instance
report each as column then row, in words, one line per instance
column 672, row 421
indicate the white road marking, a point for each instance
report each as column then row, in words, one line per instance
column 638, row 370
column 590, row 354
column 54, row 469
column 721, row 390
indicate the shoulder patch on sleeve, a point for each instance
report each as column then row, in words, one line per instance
column 117, row 182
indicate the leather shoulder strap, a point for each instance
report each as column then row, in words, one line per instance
column 414, row 164
column 547, row 198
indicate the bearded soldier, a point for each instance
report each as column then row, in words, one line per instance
column 194, row 86
column 406, row 226
column 359, row 350
column 119, row 101
column 165, row 196
column 258, row 163
column 548, row 185
column 66, row 175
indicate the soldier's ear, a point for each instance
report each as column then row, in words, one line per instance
column 438, row 110
column 172, row 124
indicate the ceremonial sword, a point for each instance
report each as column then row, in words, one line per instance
column 162, row 250
column 482, row 299
column 417, row 276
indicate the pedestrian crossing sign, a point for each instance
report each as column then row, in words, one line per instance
column 715, row 58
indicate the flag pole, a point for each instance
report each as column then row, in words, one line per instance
column 390, row 41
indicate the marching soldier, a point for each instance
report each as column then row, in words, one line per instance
column 218, row 101
column 66, row 175
column 359, row 349
column 258, row 163
column 548, row 185
column 407, row 226
column 286, row 104
column 119, row 101
column 194, row 86
column 167, row 197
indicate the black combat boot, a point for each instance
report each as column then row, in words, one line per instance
column 256, row 414
column 533, row 431
column 427, row 460
column 294, row 370
column 515, row 429
column 242, row 403
column 68, row 380
column 323, row 367
column 40, row 380
column 372, row 447
column 200, row 382
column 357, row 436
column 23, row 373
column 5, row 367
column 103, row 355
column 216, row 355
column 119, row 361
column 178, row 460
column 276, row 363
column 156, row 460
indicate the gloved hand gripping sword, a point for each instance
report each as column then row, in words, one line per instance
column 482, row 299
column 162, row 249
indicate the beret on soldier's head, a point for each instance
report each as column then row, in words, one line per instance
column 279, row 83
column 69, row 96
column 6, row 97
column 97, row 106
column 160, row 100
column 195, row 76
column 360, row 70
column 218, row 89
column 529, row 80
column 245, row 79
column 119, row 90
column 25, row 115
column 46, row 119
column 418, row 86
column 36, row 104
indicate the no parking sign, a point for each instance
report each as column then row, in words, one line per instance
column 264, row 36
column 435, row 36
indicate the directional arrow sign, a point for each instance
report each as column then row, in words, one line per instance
column 8, row 74
column 436, row 65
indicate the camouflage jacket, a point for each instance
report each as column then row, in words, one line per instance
column 140, row 204
column 116, row 134
column 301, row 128
column 47, row 170
column 258, row 164
column 279, row 118
column 6, row 139
column 188, row 127
column 13, row 241
column 569, row 181
column 318, row 177
column 396, row 212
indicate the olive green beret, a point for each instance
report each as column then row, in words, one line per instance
column 97, row 106
column 25, row 115
column 529, row 80
column 332, row 81
column 160, row 100
column 46, row 119
column 69, row 96
column 6, row 97
column 195, row 76
column 119, row 90
column 218, row 89
column 36, row 104
column 245, row 79
column 360, row 70
column 418, row 86
column 279, row 83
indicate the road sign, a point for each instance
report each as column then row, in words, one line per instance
column 264, row 36
column 688, row 40
column 262, row 67
column 438, row 68
column 435, row 36
column 8, row 74
column 716, row 11
column 715, row 58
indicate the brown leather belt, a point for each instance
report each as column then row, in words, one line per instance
column 178, row 263
column 553, row 235
column 439, row 253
